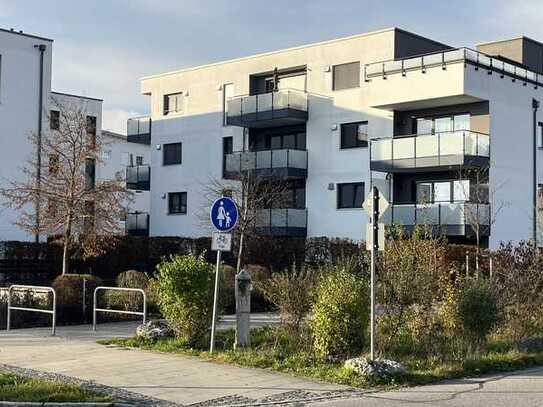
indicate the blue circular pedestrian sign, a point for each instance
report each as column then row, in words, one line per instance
column 224, row 214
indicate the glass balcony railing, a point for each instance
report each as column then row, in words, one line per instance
column 442, row 59
column 281, row 108
column 138, row 130
column 137, row 224
column 288, row 163
column 282, row 222
column 455, row 218
column 138, row 178
column 448, row 149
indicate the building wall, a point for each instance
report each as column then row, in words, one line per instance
column 19, row 112
column 200, row 129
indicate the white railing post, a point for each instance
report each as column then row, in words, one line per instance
column 28, row 309
column 95, row 309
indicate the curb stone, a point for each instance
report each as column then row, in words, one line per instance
column 66, row 404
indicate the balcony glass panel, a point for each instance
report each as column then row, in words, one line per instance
column 248, row 105
column 280, row 100
column 297, row 218
column 412, row 63
column 451, row 143
column 298, row 159
column 404, row 148
column 452, row 214
column 263, row 159
column 427, row 146
column 381, row 150
column 404, row 214
column 297, row 100
column 279, row 158
column 427, row 214
column 265, row 102
column 234, row 107
column 266, row 159
column 432, row 59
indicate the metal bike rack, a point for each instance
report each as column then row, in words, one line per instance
column 94, row 309
column 35, row 288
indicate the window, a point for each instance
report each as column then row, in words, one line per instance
column 177, row 203
column 431, row 125
column 90, row 173
column 139, row 160
column 227, row 148
column 354, row 135
column 91, row 125
column 173, row 103
column 227, row 92
column 172, row 153
column 350, row 195
column 346, row 76
column 540, row 135
column 54, row 120
column 442, row 191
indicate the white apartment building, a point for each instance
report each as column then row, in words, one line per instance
column 447, row 134
column 27, row 104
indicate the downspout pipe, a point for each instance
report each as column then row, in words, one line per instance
column 535, row 107
column 41, row 48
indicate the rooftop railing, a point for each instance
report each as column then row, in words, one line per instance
column 451, row 148
column 444, row 58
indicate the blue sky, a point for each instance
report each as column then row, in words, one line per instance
column 102, row 47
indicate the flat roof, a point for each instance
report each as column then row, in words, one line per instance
column 77, row 96
column 519, row 37
column 314, row 44
column 114, row 134
column 13, row 31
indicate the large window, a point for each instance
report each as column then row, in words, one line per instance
column 54, row 120
column 354, row 135
column 177, row 203
column 276, row 139
column 350, row 195
column 431, row 125
column 227, row 148
column 173, row 103
column 346, row 76
column 172, row 153
column 442, row 191
column 91, row 125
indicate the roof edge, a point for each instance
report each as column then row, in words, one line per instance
column 25, row 34
column 76, row 96
column 263, row 54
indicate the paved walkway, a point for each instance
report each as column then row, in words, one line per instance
column 518, row 389
column 185, row 380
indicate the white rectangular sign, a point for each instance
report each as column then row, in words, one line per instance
column 369, row 236
column 221, row 241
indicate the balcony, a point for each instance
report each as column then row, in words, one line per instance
column 282, row 222
column 451, row 77
column 286, row 163
column 440, row 151
column 138, row 130
column 137, row 224
column 451, row 219
column 138, row 178
column 281, row 108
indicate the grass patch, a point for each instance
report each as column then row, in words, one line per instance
column 18, row 388
column 276, row 350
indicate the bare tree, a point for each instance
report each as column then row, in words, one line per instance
column 59, row 195
column 253, row 194
column 481, row 195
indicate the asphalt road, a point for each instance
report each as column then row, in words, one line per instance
column 517, row 389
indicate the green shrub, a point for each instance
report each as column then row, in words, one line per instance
column 184, row 286
column 69, row 290
column 292, row 293
column 340, row 314
column 477, row 311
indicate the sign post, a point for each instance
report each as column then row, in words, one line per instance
column 375, row 206
column 224, row 217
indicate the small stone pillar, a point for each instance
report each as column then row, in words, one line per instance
column 243, row 289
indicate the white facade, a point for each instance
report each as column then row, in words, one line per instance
column 441, row 84
column 20, row 71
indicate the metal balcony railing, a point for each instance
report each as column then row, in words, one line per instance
column 137, row 224
column 451, row 218
column 287, row 163
column 446, row 149
column 138, row 130
column 138, row 177
column 444, row 58
column 279, row 108
column 282, row 222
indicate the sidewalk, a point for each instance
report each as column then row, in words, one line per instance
column 180, row 379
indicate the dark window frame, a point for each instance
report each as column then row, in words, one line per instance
column 54, row 120
column 358, row 143
column 167, row 109
column 227, row 148
column 353, row 204
column 168, row 160
column 181, row 208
